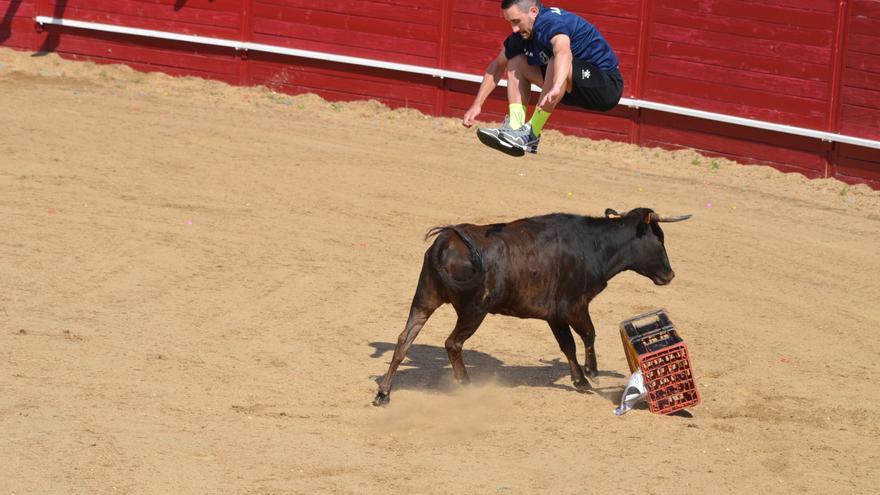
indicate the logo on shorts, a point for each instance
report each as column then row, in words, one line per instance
column 585, row 74
column 545, row 59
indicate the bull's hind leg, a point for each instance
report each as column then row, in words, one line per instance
column 424, row 303
column 414, row 324
column 584, row 327
column 566, row 344
column 468, row 322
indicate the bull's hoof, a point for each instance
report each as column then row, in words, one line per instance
column 591, row 373
column 381, row 400
column 583, row 386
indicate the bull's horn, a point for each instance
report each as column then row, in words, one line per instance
column 609, row 213
column 657, row 218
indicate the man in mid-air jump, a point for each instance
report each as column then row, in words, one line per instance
column 566, row 56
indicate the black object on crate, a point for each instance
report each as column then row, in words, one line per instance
column 653, row 346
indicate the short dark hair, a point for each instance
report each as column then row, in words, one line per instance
column 522, row 4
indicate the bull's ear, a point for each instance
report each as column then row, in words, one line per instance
column 609, row 213
column 649, row 217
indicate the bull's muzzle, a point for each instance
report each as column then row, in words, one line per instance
column 664, row 278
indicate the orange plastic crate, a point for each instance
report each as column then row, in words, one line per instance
column 669, row 379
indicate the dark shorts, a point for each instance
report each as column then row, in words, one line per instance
column 591, row 87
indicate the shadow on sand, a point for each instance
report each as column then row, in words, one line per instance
column 427, row 368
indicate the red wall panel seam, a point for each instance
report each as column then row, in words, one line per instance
column 38, row 34
column 841, row 29
column 246, row 33
column 641, row 57
column 443, row 54
column 840, row 42
column 639, row 72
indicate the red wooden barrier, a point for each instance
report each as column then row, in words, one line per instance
column 16, row 23
column 806, row 63
column 859, row 111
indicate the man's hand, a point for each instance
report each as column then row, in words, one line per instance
column 470, row 116
column 550, row 98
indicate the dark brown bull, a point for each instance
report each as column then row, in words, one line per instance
column 548, row 267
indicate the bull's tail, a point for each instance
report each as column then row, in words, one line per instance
column 437, row 249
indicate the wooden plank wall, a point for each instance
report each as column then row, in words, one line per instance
column 859, row 104
column 765, row 60
column 403, row 31
column 860, row 88
column 16, row 23
column 217, row 18
column 807, row 63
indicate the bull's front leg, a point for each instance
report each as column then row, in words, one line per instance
column 566, row 344
column 584, row 327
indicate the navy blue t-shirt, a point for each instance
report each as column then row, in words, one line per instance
column 587, row 42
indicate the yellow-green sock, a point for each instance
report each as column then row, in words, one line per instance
column 539, row 118
column 517, row 115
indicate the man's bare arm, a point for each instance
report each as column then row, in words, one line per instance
column 562, row 59
column 494, row 73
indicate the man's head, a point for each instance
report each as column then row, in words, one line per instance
column 521, row 15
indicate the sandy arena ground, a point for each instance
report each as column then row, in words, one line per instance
column 201, row 285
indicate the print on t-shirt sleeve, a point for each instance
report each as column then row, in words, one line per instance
column 554, row 24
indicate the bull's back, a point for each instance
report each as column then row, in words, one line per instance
column 531, row 265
